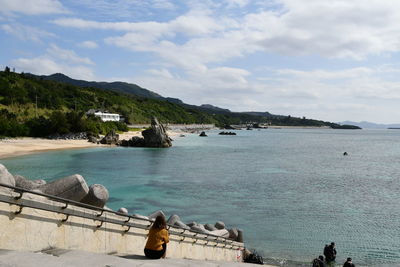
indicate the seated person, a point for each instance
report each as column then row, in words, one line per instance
column 156, row 246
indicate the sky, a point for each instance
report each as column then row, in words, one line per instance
column 332, row 60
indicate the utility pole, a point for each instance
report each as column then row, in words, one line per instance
column 36, row 113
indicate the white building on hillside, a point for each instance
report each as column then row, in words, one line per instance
column 105, row 116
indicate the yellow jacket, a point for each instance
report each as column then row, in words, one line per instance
column 156, row 238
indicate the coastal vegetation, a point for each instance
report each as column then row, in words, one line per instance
column 34, row 106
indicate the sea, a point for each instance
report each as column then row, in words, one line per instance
column 291, row 191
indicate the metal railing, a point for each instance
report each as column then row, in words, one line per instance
column 99, row 215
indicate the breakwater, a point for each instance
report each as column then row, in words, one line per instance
column 31, row 220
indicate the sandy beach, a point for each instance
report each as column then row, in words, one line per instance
column 13, row 147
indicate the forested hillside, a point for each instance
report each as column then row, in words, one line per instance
column 31, row 106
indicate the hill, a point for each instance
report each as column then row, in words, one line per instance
column 371, row 125
column 34, row 106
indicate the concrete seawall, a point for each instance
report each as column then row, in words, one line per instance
column 42, row 224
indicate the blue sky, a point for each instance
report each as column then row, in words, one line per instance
column 332, row 60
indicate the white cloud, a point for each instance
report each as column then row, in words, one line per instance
column 46, row 65
column 67, row 55
column 88, row 44
column 31, row 7
column 26, row 33
column 56, row 60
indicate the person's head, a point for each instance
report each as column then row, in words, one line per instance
column 159, row 223
column 321, row 257
column 333, row 244
column 349, row 259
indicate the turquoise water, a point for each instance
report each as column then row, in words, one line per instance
column 291, row 190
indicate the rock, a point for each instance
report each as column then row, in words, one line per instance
column 97, row 196
column 137, row 141
column 111, row 138
column 221, row 233
column 27, row 184
column 140, row 216
column 92, row 139
column 203, row 134
column 155, row 214
column 123, row 211
column 227, row 133
column 220, row 225
column 233, row 233
column 156, row 136
column 181, row 225
column 210, row 227
column 191, row 224
column 240, row 236
column 173, row 219
column 72, row 187
column 6, row 178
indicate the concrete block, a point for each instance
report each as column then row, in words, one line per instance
column 220, row 225
column 240, row 236
column 72, row 187
column 97, row 196
column 221, row 233
column 199, row 229
column 123, row 211
column 140, row 216
column 27, row 184
column 191, row 224
column 181, row 225
column 210, row 227
column 233, row 233
column 6, row 178
column 155, row 214
column 174, row 218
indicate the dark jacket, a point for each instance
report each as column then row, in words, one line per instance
column 348, row 264
column 330, row 253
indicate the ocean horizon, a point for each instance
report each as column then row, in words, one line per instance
column 290, row 190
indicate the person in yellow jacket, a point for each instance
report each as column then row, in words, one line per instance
column 156, row 245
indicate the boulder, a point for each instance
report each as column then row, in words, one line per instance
column 111, row 138
column 181, row 225
column 154, row 215
column 173, row 219
column 92, row 139
column 233, row 233
column 240, row 236
column 220, row 225
column 156, row 136
column 72, row 187
column 221, row 233
column 27, row 184
column 203, row 134
column 6, row 178
column 123, row 211
column 97, row 196
column 136, row 141
column 210, row 227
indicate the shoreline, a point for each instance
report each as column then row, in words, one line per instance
column 21, row 146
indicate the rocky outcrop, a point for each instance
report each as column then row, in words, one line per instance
column 227, row 133
column 111, row 138
column 156, row 136
column 203, row 134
